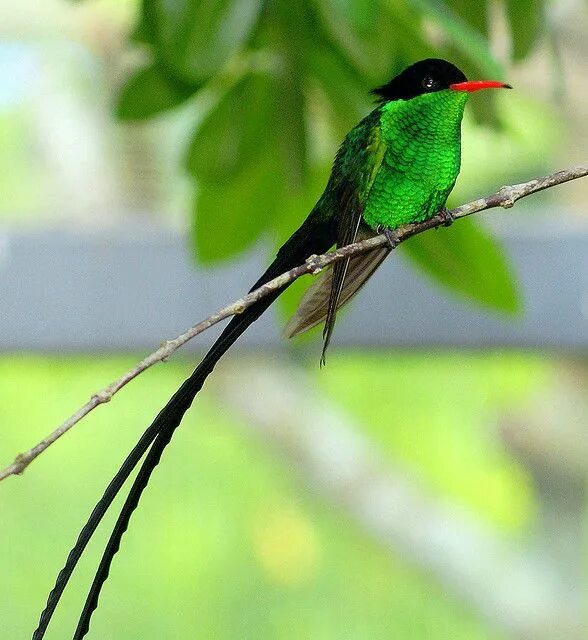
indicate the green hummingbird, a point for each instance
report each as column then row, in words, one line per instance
column 397, row 166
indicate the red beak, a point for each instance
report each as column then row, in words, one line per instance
column 475, row 85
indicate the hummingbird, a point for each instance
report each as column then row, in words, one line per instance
column 397, row 166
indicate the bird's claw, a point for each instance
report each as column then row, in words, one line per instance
column 446, row 217
column 390, row 236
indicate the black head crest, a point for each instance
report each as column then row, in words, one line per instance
column 421, row 77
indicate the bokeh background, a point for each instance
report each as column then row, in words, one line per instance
column 430, row 482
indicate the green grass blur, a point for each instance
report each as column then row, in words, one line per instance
column 226, row 544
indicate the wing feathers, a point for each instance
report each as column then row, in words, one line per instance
column 314, row 306
column 339, row 273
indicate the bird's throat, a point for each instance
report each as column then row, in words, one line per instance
column 423, row 152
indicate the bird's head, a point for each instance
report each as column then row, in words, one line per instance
column 428, row 76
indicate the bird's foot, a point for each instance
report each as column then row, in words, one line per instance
column 446, row 217
column 391, row 236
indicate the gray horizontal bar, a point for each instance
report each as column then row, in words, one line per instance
column 131, row 288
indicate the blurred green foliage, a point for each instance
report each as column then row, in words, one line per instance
column 257, row 558
column 283, row 81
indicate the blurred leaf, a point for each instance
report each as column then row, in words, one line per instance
column 475, row 14
column 468, row 261
column 291, row 127
column 362, row 15
column 298, row 32
column 470, row 42
column 143, row 30
column 410, row 39
column 368, row 51
column 230, row 217
column 347, row 95
column 235, row 132
column 524, row 19
column 195, row 38
column 150, row 91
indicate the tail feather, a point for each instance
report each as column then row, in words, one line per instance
column 122, row 523
column 314, row 306
column 91, row 525
column 314, row 236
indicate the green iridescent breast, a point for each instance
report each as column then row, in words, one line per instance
column 422, row 142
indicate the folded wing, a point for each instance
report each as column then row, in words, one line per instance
column 355, row 168
column 314, row 306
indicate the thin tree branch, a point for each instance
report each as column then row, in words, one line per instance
column 505, row 197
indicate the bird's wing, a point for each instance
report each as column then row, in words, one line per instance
column 314, row 305
column 354, row 172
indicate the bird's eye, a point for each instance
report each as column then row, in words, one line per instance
column 428, row 82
